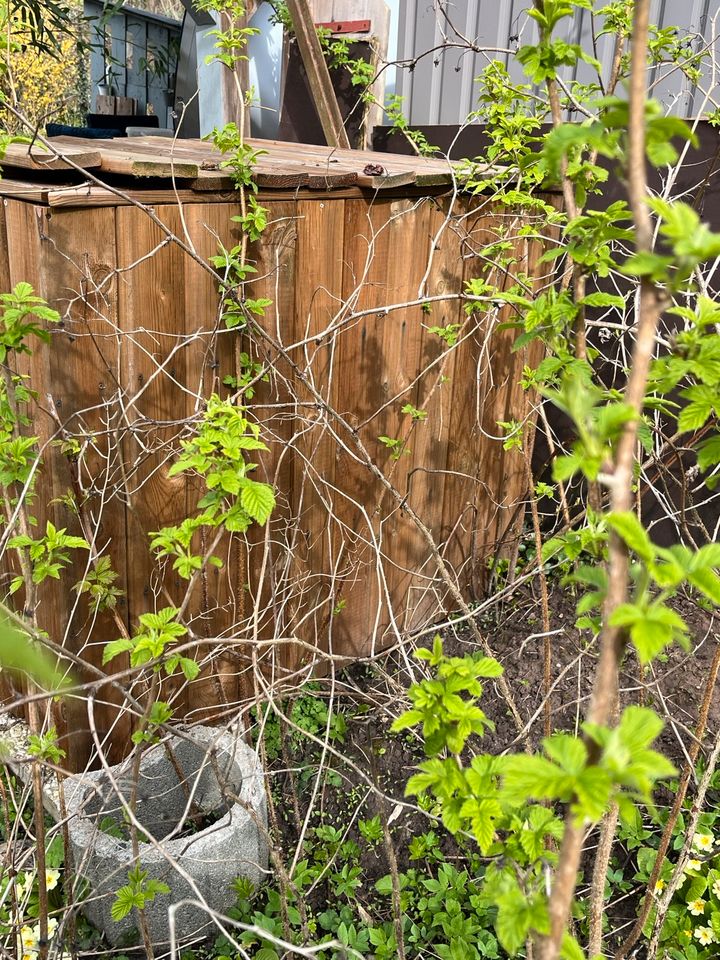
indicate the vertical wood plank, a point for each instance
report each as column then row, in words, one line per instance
column 318, row 295
column 25, row 227
column 271, row 606
column 378, row 359
column 213, row 604
column 154, row 357
column 436, row 383
column 78, row 269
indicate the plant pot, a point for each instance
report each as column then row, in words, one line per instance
column 197, row 866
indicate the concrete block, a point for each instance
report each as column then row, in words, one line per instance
column 211, row 762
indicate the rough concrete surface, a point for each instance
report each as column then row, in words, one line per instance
column 231, row 846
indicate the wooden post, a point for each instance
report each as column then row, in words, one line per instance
column 318, row 75
column 378, row 13
column 233, row 100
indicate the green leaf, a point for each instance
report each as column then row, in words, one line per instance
column 482, row 814
column 649, row 265
column 19, row 654
column 593, row 789
column 535, row 778
column 709, row 453
column 603, row 300
column 652, row 627
column 189, row 667
column 384, row 886
column 487, row 667
column 629, row 528
column 125, row 900
column 258, row 500
column 694, row 415
column 707, row 582
column 564, row 468
column 567, row 751
column 513, row 922
column 570, row 949
column 115, row 648
column 638, row 727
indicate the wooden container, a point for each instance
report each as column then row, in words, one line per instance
column 359, row 266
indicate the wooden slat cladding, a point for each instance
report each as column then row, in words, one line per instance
column 342, row 567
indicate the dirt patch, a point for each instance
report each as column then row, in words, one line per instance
column 372, row 696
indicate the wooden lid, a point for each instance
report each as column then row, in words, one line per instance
column 201, row 168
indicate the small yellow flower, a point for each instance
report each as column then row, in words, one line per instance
column 697, row 907
column 716, row 888
column 703, row 842
column 692, row 866
column 704, row 935
column 51, row 879
column 23, row 885
column 660, row 886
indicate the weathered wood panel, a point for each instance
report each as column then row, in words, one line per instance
column 83, row 391
column 342, row 567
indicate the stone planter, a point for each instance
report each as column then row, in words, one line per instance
column 231, row 845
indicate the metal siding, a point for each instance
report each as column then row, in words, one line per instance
column 426, row 81
column 455, row 61
column 446, row 93
column 702, row 22
column 468, row 72
column 406, row 45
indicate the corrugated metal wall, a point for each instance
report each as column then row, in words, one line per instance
column 440, row 86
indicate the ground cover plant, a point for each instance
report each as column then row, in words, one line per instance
column 528, row 775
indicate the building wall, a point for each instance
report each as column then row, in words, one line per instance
column 440, row 89
column 138, row 51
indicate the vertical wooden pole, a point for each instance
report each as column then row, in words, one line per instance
column 378, row 13
column 318, row 75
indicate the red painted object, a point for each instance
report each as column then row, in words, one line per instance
column 346, row 26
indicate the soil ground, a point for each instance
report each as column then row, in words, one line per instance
column 673, row 686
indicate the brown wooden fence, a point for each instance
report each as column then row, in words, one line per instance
column 357, row 279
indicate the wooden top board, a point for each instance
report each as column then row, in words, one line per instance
column 34, row 156
column 198, row 166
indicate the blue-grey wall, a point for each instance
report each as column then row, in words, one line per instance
column 132, row 38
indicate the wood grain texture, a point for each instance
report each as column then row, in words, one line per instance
column 85, row 196
column 439, row 369
column 85, row 380
column 318, row 296
column 36, row 157
column 274, row 163
column 378, row 357
column 317, row 74
column 271, row 607
column 153, row 358
column 28, row 250
column 341, row 566
column 9, row 686
column 123, row 156
column 216, row 602
column 378, row 12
